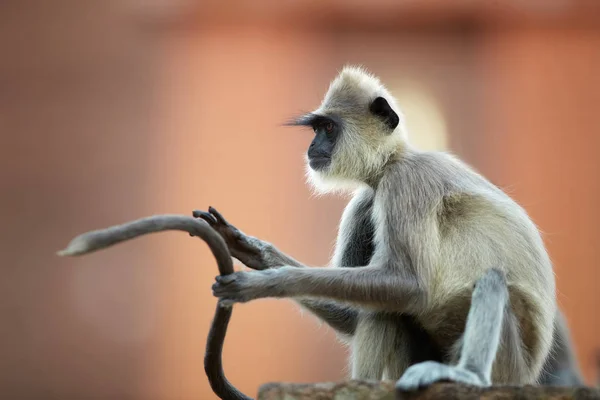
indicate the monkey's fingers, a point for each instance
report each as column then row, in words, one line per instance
column 220, row 290
column 224, row 279
column 212, row 221
column 204, row 216
column 217, row 215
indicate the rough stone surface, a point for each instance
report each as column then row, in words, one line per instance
column 364, row 390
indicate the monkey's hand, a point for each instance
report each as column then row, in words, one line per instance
column 426, row 373
column 243, row 286
column 244, row 248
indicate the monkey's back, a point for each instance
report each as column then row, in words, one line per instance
column 474, row 226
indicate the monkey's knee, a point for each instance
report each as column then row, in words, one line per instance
column 493, row 281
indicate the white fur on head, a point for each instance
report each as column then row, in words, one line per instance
column 364, row 145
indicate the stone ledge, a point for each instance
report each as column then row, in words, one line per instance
column 365, row 390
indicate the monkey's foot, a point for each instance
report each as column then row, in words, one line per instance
column 426, row 373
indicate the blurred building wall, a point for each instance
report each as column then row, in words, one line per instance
column 77, row 141
column 111, row 111
column 542, row 136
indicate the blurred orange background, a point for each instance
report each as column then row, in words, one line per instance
column 116, row 109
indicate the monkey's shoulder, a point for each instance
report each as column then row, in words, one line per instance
column 429, row 179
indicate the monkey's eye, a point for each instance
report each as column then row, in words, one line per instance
column 329, row 127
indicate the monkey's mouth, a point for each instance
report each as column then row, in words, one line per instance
column 319, row 163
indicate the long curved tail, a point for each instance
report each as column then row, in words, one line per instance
column 99, row 239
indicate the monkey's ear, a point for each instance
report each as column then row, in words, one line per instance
column 382, row 109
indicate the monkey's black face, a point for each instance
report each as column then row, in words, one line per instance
column 321, row 148
column 327, row 130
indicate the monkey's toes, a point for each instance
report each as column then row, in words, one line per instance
column 427, row 373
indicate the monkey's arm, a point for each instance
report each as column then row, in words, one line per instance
column 387, row 282
column 374, row 286
column 260, row 255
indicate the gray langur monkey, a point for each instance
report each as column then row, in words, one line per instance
column 561, row 367
column 449, row 252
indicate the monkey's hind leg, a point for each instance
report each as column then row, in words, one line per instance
column 480, row 340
